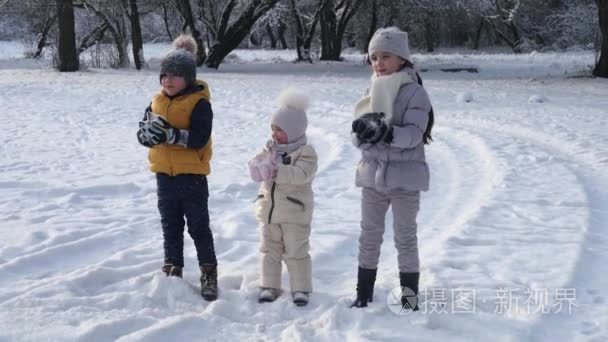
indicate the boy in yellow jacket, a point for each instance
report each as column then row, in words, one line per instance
column 177, row 129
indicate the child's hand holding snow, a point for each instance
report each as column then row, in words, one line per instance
column 254, row 171
column 263, row 169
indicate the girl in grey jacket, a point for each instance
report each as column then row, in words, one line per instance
column 392, row 123
column 286, row 168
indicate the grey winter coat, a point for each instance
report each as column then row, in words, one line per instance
column 401, row 164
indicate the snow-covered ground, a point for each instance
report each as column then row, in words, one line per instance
column 512, row 234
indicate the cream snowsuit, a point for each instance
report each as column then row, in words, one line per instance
column 284, row 210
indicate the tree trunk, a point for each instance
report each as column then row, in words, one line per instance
column 92, row 38
column 601, row 68
column 136, row 40
column 516, row 37
column 273, row 40
column 229, row 37
column 305, row 35
column 501, row 36
column 166, row 21
column 478, row 35
column 333, row 28
column 121, row 45
column 303, row 55
column 44, row 35
column 281, row 35
column 428, row 34
column 328, row 30
column 68, row 57
column 186, row 10
column 116, row 27
column 373, row 24
column 253, row 39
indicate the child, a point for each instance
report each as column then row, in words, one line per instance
column 286, row 168
column 177, row 129
column 392, row 124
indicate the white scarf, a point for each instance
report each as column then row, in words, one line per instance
column 382, row 94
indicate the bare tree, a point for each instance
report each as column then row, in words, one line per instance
column 273, row 24
column 136, row 40
column 305, row 29
column 601, row 68
column 185, row 9
column 67, row 55
column 334, row 20
column 49, row 19
column 499, row 17
column 44, row 34
column 373, row 23
column 231, row 31
column 92, row 37
column 374, row 14
column 279, row 36
column 168, row 11
column 281, row 29
column 35, row 17
column 113, row 15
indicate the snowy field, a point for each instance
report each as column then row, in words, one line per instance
column 513, row 233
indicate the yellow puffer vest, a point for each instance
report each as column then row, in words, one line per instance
column 175, row 159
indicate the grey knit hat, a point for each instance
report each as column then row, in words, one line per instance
column 390, row 39
column 291, row 115
column 181, row 61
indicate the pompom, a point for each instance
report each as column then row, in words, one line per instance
column 294, row 99
column 186, row 42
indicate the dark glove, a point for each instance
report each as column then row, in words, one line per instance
column 370, row 127
column 142, row 136
column 147, row 136
column 388, row 138
column 161, row 128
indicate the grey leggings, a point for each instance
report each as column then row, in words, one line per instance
column 374, row 205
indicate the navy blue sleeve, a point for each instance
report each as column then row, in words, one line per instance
column 200, row 124
column 148, row 109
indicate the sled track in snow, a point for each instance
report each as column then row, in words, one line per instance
column 464, row 179
column 563, row 181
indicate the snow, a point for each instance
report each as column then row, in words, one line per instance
column 517, row 203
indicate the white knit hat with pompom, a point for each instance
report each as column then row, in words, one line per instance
column 291, row 115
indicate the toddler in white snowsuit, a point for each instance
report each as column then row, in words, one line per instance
column 284, row 206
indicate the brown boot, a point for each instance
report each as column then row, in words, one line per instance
column 172, row 271
column 209, row 282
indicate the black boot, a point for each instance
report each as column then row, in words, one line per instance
column 372, row 284
column 172, row 271
column 209, row 282
column 409, row 280
column 365, row 287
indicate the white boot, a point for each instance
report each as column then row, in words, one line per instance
column 300, row 298
column 267, row 295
